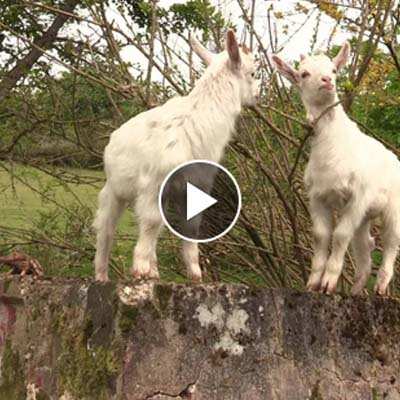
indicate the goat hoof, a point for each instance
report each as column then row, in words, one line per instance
column 328, row 287
column 323, row 288
column 194, row 273
column 381, row 293
column 314, row 282
column 139, row 276
column 141, row 273
column 154, row 275
column 151, row 276
column 381, row 287
column 381, row 290
column 196, row 279
column 102, row 278
column 359, row 284
column 356, row 290
column 313, row 287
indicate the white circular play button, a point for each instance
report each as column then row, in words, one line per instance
column 199, row 201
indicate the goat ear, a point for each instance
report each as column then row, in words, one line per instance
column 201, row 51
column 233, row 49
column 341, row 59
column 285, row 69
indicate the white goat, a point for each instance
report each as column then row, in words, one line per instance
column 349, row 172
column 146, row 148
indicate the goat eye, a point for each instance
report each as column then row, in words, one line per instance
column 334, row 70
column 305, row 74
column 253, row 74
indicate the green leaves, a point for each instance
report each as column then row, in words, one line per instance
column 179, row 17
column 196, row 15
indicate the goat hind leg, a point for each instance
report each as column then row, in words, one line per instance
column 362, row 245
column 154, row 274
column 391, row 241
column 108, row 213
column 348, row 224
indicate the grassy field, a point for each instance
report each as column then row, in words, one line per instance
column 27, row 192
column 21, row 203
column 33, row 211
column 32, row 200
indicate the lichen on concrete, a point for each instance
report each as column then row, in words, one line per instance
column 228, row 324
column 136, row 294
column 211, row 316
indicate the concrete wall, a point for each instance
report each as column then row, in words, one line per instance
column 73, row 339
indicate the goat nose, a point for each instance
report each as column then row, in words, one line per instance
column 326, row 79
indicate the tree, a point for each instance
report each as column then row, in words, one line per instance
column 43, row 41
column 126, row 56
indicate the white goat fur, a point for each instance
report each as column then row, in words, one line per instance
column 147, row 147
column 349, row 172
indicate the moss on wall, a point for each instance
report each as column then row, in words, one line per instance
column 85, row 371
column 127, row 318
column 12, row 385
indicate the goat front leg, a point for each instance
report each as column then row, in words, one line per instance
column 192, row 228
column 348, row 224
column 144, row 254
column 322, row 229
column 190, row 252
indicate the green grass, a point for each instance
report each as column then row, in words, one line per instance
column 37, row 202
column 20, row 204
column 34, row 200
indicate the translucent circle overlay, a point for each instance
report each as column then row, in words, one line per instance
column 213, row 179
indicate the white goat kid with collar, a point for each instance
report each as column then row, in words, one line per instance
column 349, row 172
column 147, row 147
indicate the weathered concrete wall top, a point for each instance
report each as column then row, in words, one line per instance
column 73, row 339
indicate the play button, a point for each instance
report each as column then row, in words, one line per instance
column 199, row 201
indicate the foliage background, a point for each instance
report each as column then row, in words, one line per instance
column 71, row 72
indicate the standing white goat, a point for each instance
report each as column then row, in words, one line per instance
column 146, row 148
column 349, row 172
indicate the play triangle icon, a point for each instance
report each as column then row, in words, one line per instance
column 197, row 201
